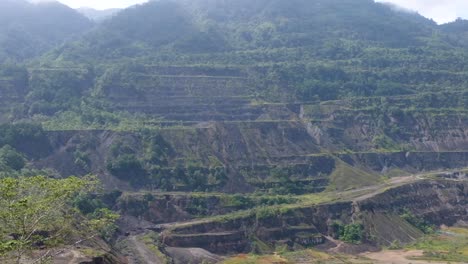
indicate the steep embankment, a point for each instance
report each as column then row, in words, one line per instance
column 203, row 128
column 310, row 109
column 380, row 214
column 213, row 96
column 242, row 157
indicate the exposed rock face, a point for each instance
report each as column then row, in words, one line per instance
column 410, row 161
column 167, row 208
column 214, row 117
column 252, row 156
column 255, row 111
column 210, row 119
column 437, row 202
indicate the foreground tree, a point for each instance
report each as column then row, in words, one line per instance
column 38, row 213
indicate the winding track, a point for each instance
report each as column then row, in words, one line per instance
column 354, row 195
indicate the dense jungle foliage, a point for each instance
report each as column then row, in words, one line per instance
column 294, row 51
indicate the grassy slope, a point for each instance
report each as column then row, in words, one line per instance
column 450, row 244
column 346, row 177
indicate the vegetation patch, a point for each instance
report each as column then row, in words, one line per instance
column 38, row 212
column 346, row 177
column 447, row 245
column 351, row 233
column 256, row 259
column 11, row 159
column 25, row 138
column 419, row 223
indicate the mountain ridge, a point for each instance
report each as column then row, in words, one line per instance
column 265, row 124
column 98, row 15
column 205, row 32
column 28, row 30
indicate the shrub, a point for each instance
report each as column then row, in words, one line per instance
column 352, row 233
column 11, row 158
column 419, row 223
column 25, row 138
column 127, row 167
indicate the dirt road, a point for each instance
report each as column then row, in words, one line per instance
column 398, row 257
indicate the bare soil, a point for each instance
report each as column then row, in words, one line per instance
column 398, row 257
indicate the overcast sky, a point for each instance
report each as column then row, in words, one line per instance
column 100, row 4
column 441, row 11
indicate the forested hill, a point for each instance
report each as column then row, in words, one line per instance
column 28, row 30
column 274, row 83
column 301, row 108
column 310, row 50
column 210, row 26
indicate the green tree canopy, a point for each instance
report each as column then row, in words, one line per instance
column 37, row 212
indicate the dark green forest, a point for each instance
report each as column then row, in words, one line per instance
column 29, row 30
column 292, row 51
column 173, row 64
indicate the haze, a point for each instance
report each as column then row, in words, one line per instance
column 101, row 4
column 441, row 11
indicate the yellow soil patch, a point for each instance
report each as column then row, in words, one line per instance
column 253, row 259
column 398, row 257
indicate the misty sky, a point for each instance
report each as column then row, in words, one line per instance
column 100, row 4
column 441, row 11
